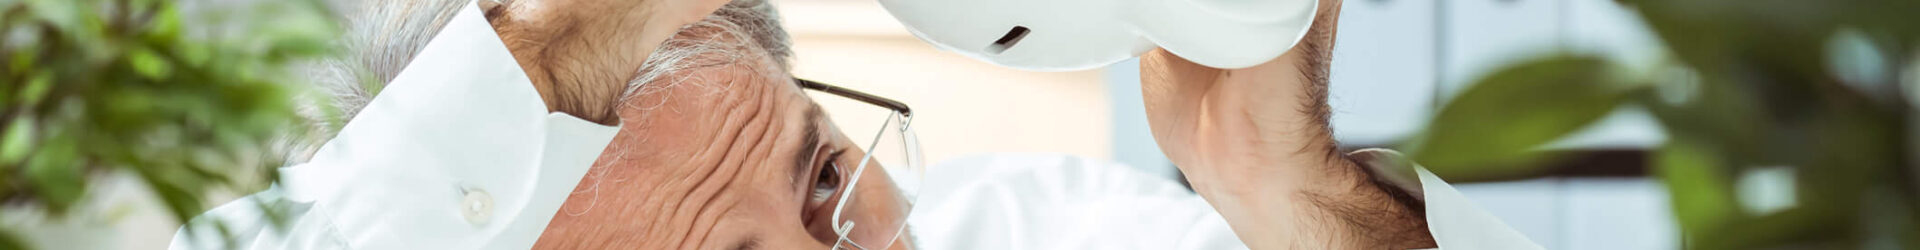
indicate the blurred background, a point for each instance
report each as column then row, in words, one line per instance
column 1397, row 65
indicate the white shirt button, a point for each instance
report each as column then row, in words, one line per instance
column 477, row 207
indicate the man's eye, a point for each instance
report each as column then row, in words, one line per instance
column 828, row 183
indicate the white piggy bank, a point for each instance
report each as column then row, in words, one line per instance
column 1061, row 35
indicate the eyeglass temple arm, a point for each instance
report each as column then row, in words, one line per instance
column 896, row 106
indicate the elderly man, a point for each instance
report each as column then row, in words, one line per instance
column 705, row 141
column 716, row 145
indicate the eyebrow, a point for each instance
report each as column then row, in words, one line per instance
column 749, row 244
column 803, row 158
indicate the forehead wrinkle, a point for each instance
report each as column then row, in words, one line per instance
column 712, row 179
column 746, row 150
column 707, row 218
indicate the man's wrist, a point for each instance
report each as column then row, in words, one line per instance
column 1342, row 206
column 1305, row 171
column 1361, row 212
column 1339, row 201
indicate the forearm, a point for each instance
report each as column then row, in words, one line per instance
column 1255, row 143
column 1309, row 194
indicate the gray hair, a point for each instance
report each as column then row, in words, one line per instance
column 381, row 37
column 741, row 25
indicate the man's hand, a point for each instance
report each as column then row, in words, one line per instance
column 581, row 53
column 1255, row 143
column 1241, row 131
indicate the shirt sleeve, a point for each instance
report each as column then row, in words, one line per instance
column 246, row 224
column 1453, row 220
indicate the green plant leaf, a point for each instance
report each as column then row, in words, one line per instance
column 1697, row 180
column 37, row 87
column 166, row 23
column 16, row 142
column 147, row 86
column 55, row 174
column 149, row 64
column 1491, row 128
column 21, row 62
column 11, row 240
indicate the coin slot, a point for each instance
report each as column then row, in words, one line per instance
column 1007, row 41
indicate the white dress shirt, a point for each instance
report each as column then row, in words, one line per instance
column 457, row 152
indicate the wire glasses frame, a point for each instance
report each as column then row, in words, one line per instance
column 899, row 122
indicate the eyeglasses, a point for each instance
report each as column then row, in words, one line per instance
column 863, row 222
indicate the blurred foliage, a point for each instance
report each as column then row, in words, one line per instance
column 188, row 101
column 1823, row 88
